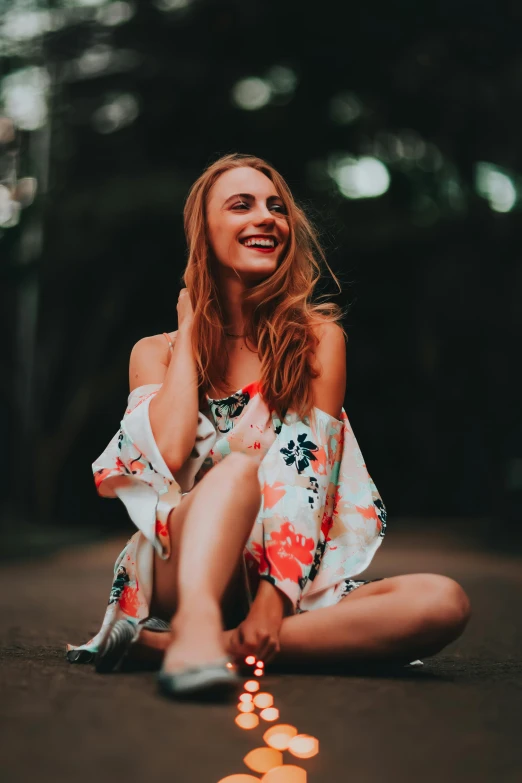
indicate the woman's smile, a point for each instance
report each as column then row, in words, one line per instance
column 262, row 243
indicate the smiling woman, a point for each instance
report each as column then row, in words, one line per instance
column 254, row 261
column 254, row 506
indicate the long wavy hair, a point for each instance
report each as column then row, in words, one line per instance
column 278, row 312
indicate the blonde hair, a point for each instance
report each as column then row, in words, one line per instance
column 278, row 312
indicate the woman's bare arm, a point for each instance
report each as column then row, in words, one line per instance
column 173, row 412
column 329, row 388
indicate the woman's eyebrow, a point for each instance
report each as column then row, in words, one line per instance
column 248, row 197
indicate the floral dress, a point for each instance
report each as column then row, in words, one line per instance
column 320, row 520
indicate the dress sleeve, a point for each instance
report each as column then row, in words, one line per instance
column 133, row 469
column 321, row 518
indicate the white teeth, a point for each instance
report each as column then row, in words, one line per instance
column 259, row 243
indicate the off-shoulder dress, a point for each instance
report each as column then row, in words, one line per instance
column 320, row 521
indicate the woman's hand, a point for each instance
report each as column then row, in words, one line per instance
column 185, row 312
column 257, row 635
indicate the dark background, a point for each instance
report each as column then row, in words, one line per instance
column 138, row 98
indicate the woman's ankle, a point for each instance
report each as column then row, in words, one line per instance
column 205, row 611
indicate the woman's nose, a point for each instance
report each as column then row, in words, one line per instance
column 263, row 215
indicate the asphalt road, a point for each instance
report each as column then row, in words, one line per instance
column 457, row 719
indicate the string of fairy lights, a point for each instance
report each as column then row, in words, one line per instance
column 255, row 706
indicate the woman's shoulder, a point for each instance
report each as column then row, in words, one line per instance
column 154, row 346
column 327, row 329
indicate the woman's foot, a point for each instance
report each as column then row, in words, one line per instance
column 197, row 639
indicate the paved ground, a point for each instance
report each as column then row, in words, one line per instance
column 457, row 720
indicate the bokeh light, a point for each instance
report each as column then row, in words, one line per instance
column 270, row 713
column 251, row 686
column 251, row 94
column 119, row 111
column 280, row 736
column 246, row 706
column 114, row 14
column 9, row 209
column 263, row 759
column 247, row 720
column 24, row 97
column 345, row 108
column 263, row 700
column 304, row 746
column 24, row 25
column 364, row 177
column 495, row 185
column 288, row 773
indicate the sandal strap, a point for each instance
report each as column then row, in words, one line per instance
column 154, row 624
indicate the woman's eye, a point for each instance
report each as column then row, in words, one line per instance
column 279, row 207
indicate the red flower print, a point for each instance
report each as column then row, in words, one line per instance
column 129, row 601
column 162, row 529
column 367, row 513
column 272, row 493
column 287, row 552
column 137, row 467
column 326, row 525
column 260, row 555
column 100, row 475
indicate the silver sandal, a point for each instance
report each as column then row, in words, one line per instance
column 209, row 681
column 115, row 646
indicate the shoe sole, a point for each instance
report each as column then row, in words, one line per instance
column 212, row 687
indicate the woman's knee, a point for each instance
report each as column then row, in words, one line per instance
column 443, row 608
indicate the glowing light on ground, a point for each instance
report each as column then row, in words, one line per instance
column 238, row 779
column 246, row 697
column 280, row 736
column 285, row 774
column 263, row 700
column 260, row 664
column 263, row 759
column 252, row 686
column 258, row 672
column 247, row 721
column 304, row 746
column 250, row 660
column 271, row 713
column 245, row 706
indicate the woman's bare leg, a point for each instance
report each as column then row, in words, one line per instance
column 399, row 618
column 209, row 530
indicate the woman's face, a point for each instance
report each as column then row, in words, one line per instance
column 247, row 223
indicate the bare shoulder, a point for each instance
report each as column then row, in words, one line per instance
column 331, row 340
column 149, row 360
column 330, row 361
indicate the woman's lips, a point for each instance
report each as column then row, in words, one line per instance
column 261, row 249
